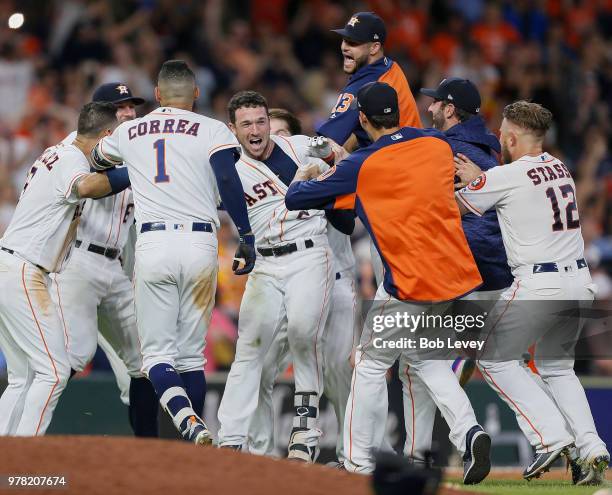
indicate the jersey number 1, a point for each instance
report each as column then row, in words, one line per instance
column 570, row 221
column 160, row 148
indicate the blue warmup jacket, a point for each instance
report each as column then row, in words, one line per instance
column 483, row 234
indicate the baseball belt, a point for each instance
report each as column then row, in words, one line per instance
column 112, row 253
column 193, row 226
column 554, row 267
column 284, row 249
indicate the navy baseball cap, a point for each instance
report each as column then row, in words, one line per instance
column 460, row 92
column 377, row 99
column 116, row 92
column 364, row 27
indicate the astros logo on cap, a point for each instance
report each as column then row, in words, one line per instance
column 353, row 21
column 123, row 89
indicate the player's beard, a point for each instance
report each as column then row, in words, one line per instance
column 506, row 157
column 359, row 63
column 437, row 119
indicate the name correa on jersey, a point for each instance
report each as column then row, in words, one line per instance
column 170, row 126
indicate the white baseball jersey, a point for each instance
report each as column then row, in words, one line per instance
column 535, row 199
column 47, row 214
column 264, row 190
column 167, row 154
column 105, row 221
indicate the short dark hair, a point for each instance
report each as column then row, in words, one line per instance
column 461, row 114
column 295, row 126
column 530, row 116
column 250, row 99
column 95, row 117
column 384, row 121
column 175, row 70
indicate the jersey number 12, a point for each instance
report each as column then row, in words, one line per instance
column 160, row 149
column 570, row 209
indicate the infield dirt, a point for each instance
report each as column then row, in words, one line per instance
column 115, row 465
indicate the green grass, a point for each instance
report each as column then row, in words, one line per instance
column 535, row 487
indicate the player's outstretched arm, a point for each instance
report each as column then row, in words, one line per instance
column 101, row 159
column 223, row 163
column 98, row 185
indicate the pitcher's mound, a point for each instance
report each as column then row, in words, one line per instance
column 116, row 465
column 119, row 465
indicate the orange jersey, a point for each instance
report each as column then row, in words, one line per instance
column 401, row 187
column 344, row 118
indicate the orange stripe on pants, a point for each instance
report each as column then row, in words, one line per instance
column 46, row 348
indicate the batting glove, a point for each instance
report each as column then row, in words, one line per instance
column 320, row 147
column 246, row 253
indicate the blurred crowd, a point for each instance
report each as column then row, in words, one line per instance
column 555, row 52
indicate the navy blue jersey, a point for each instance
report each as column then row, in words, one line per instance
column 483, row 233
column 344, row 118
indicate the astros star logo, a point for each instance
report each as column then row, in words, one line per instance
column 353, row 21
column 123, row 89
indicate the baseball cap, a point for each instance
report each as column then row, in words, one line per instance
column 116, row 92
column 460, row 92
column 364, row 27
column 377, row 99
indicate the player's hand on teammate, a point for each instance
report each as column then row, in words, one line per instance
column 245, row 255
column 321, row 147
column 466, row 170
column 307, row 172
column 339, row 152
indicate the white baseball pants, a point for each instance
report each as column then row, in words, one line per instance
column 562, row 416
column 337, row 345
column 89, row 286
column 367, row 407
column 293, row 290
column 175, row 285
column 32, row 340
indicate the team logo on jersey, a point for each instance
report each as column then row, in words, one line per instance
column 123, row 89
column 353, row 21
column 478, row 182
column 326, row 174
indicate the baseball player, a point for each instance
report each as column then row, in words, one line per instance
column 176, row 158
column 35, row 244
column 390, row 198
column 93, row 282
column 364, row 61
column 534, row 196
column 290, row 286
column 455, row 112
column 337, row 341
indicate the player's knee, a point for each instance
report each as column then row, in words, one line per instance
column 303, row 344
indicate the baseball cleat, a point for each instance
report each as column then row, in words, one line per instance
column 304, row 445
column 576, row 467
column 197, row 432
column 541, row 463
column 476, row 461
column 594, row 471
